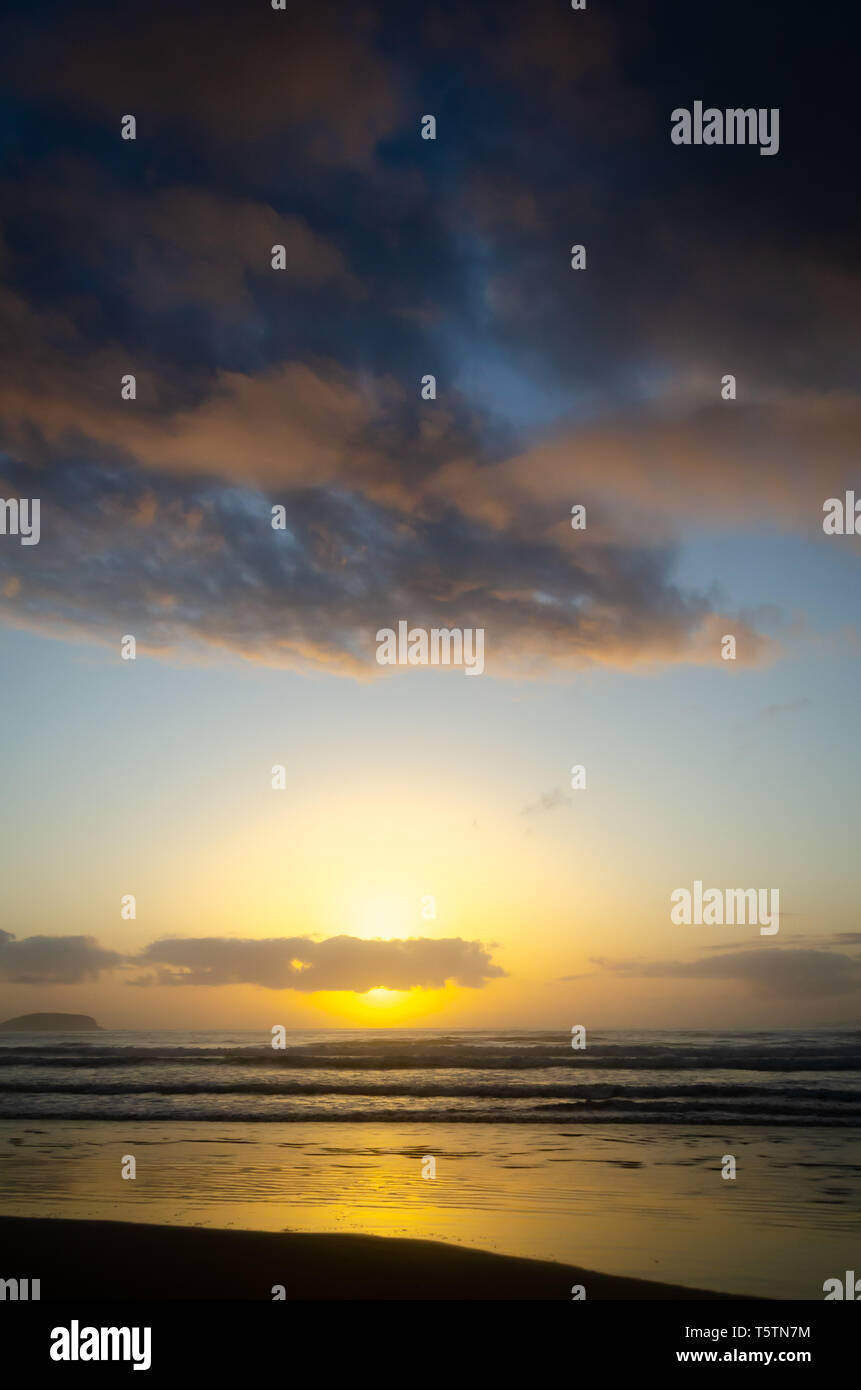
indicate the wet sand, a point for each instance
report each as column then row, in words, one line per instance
column 119, row 1260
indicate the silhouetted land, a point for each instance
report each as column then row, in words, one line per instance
column 116, row 1260
column 50, row 1023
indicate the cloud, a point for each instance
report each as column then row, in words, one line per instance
column 53, row 960
column 300, row 963
column 403, row 257
column 176, row 245
column 836, row 940
column 235, row 75
column 338, row 963
column 652, row 472
column 771, row 972
column 193, row 568
column 550, row 801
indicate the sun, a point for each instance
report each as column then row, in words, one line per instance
column 384, row 997
column 384, row 1008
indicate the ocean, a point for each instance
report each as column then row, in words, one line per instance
column 680, row 1078
column 611, row 1158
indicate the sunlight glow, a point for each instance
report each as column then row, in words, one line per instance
column 384, row 1008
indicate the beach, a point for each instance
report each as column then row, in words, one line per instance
column 121, row 1260
column 502, row 1144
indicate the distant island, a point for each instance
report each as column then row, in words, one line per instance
column 50, row 1023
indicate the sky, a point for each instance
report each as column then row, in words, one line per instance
column 427, row 861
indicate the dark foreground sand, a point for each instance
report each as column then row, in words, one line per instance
column 112, row 1259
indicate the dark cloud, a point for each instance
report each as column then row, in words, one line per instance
column 835, row 941
column 338, row 963
column 201, row 71
column 53, row 960
column 771, row 972
column 407, row 257
column 755, row 944
column 198, row 568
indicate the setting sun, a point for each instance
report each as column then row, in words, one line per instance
column 384, row 1008
column 384, row 996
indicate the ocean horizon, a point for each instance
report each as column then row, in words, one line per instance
column 510, row 1076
